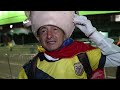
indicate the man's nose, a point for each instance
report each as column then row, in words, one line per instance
column 49, row 34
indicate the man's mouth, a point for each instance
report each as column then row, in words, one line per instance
column 51, row 42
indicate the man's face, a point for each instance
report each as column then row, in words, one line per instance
column 51, row 37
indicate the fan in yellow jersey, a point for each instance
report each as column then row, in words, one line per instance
column 61, row 56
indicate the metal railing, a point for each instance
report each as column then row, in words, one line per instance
column 10, row 64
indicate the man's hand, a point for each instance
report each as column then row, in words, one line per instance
column 84, row 25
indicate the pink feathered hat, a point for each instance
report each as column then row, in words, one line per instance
column 61, row 19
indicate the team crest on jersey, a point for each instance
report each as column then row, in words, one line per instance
column 78, row 68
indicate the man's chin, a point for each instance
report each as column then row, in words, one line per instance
column 52, row 49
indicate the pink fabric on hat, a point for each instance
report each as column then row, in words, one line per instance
column 61, row 19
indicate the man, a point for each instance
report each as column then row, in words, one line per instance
column 62, row 57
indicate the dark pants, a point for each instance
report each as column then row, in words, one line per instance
column 118, row 73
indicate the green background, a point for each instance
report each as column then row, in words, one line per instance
column 95, row 12
column 8, row 17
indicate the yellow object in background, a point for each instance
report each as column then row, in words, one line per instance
column 10, row 44
column 40, row 48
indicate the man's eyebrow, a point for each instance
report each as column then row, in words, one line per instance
column 41, row 27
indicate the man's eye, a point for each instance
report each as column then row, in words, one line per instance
column 43, row 30
column 55, row 29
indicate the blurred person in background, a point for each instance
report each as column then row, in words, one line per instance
column 6, row 39
column 61, row 57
